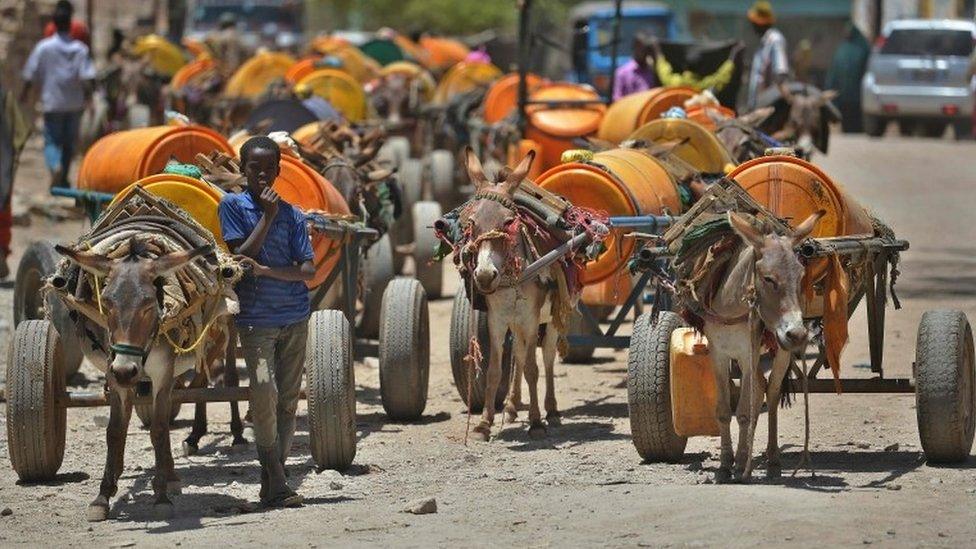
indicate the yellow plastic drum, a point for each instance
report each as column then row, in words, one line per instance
column 464, row 77
column 257, row 73
column 199, row 198
column 618, row 182
column 340, row 89
column 694, row 392
column 413, row 70
column 698, row 146
column 633, row 111
column 163, row 56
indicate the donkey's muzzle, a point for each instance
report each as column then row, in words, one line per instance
column 794, row 339
column 486, row 280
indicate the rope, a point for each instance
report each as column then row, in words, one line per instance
column 182, row 351
column 98, row 295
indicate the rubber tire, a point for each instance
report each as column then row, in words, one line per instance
column 39, row 261
column 649, row 389
column 35, row 421
column 577, row 354
column 378, row 271
column 906, row 128
column 430, row 273
column 411, row 178
column 461, row 320
column 395, row 150
column 404, row 350
column 963, row 130
column 331, row 390
column 442, row 175
column 945, row 386
column 933, row 129
column 874, row 126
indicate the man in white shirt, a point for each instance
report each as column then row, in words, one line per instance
column 61, row 67
column 770, row 65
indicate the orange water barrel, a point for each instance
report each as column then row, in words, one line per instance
column 121, row 158
column 619, row 182
column 198, row 198
column 794, row 189
column 555, row 128
column 190, row 71
column 502, row 96
column 691, row 142
column 252, row 78
column 633, row 111
column 304, row 188
column 301, row 69
column 443, row 52
column 702, row 116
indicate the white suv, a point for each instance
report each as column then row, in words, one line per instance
column 919, row 74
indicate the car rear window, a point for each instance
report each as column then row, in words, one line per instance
column 929, row 42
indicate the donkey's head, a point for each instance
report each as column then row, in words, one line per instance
column 132, row 301
column 741, row 135
column 491, row 221
column 804, row 121
column 396, row 97
column 778, row 274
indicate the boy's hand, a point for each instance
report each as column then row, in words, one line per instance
column 250, row 264
column 269, row 202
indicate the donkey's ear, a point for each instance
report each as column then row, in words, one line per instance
column 97, row 264
column 756, row 117
column 804, row 229
column 167, row 264
column 747, row 231
column 475, row 171
column 519, row 172
column 826, row 97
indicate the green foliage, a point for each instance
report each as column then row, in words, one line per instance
column 455, row 17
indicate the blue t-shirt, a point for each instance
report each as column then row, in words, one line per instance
column 268, row 302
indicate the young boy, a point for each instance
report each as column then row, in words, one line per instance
column 270, row 237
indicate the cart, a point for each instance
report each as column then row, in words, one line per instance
column 943, row 380
column 38, row 397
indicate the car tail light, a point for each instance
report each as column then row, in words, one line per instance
column 950, row 110
column 879, row 42
column 889, row 108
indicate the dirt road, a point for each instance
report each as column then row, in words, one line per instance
column 584, row 484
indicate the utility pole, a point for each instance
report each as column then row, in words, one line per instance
column 877, row 17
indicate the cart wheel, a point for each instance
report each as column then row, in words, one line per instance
column 442, row 175
column 578, row 354
column 411, row 178
column 461, row 321
column 945, row 391
column 39, row 261
column 395, row 150
column 330, row 384
column 404, row 349
column 649, row 389
column 35, row 420
column 430, row 273
column 377, row 273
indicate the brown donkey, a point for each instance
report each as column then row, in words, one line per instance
column 495, row 250
column 760, row 293
column 132, row 306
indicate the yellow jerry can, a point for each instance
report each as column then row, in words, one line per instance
column 694, row 392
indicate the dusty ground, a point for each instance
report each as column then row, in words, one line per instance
column 584, row 484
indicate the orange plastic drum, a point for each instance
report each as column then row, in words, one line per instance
column 554, row 129
column 198, row 198
column 190, row 71
column 304, row 188
column 794, row 189
column 120, row 158
column 633, row 111
column 695, row 144
column 502, row 96
column 443, row 52
column 257, row 73
column 464, row 77
column 619, row 182
column 301, row 69
column 702, row 115
column 694, row 392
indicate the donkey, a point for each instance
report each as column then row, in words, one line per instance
column 491, row 222
column 760, row 292
column 132, row 304
column 805, row 125
column 741, row 135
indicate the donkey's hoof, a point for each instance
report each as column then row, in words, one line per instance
column 511, row 415
column 554, row 419
column 174, row 487
column 723, row 475
column 740, row 477
column 774, row 470
column 537, row 431
column 163, row 511
column 190, row 448
column 482, row 431
column 239, row 440
column 98, row 510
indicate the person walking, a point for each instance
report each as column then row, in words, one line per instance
column 638, row 74
column 270, row 238
column 62, row 69
column 770, row 64
column 845, row 74
column 15, row 128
